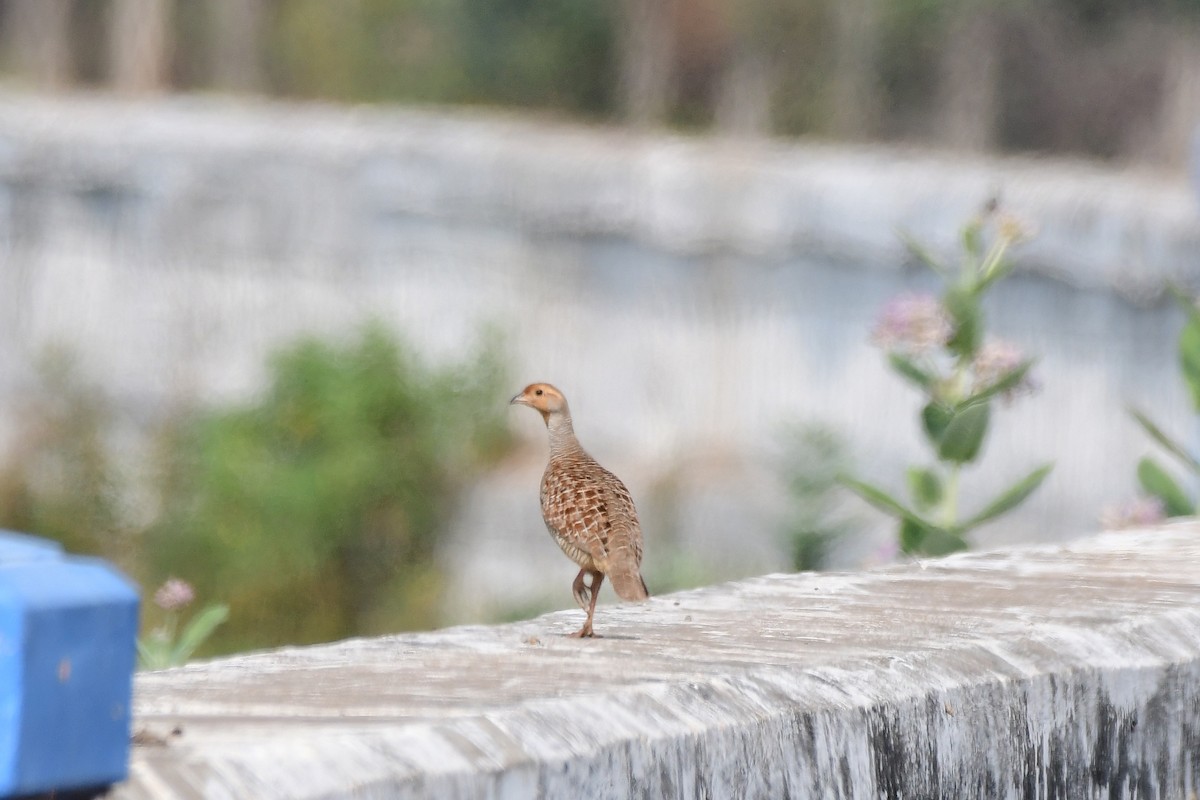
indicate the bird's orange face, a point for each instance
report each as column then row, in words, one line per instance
column 542, row 397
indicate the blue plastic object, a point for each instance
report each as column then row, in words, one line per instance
column 68, row 642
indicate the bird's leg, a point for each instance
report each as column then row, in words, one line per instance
column 581, row 590
column 594, row 589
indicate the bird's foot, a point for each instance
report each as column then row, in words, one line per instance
column 584, row 633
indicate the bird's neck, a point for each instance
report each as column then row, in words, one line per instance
column 562, row 435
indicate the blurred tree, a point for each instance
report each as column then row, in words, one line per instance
column 533, row 53
column 1105, row 78
column 798, row 36
column 856, row 105
column 743, row 105
column 539, row 53
column 139, row 39
column 1070, row 85
column 910, row 51
column 970, row 76
column 315, row 512
column 320, row 49
column 237, row 43
column 773, row 67
column 647, row 60
column 746, row 83
column 39, row 39
column 1179, row 115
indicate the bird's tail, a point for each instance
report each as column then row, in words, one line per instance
column 624, row 567
column 628, row 583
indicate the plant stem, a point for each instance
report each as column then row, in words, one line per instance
column 993, row 258
column 959, row 383
column 950, row 503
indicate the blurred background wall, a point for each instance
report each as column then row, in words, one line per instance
column 614, row 197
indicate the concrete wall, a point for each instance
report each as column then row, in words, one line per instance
column 1036, row 673
column 691, row 296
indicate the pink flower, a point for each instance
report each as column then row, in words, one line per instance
column 913, row 322
column 1140, row 512
column 996, row 359
column 884, row 553
column 174, row 594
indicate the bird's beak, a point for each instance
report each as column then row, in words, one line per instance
column 519, row 400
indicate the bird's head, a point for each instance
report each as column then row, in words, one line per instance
column 543, row 397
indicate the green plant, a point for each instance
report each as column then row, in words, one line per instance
column 528, row 53
column 815, row 457
column 1155, row 480
column 939, row 345
column 59, row 479
column 316, row 511
column 168, row 646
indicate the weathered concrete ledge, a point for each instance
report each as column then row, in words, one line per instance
column 1041, row 672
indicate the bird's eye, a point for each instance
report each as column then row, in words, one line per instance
column 538, row 392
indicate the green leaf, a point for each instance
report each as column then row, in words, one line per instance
column 908, row 368
column 925, row 486
column 940, row 542
column 1010, row 498
column 1166, row 442
column 912, row 536
column 963, row 306
column 1156, row 481
column 151, row 655
column 196, row 631
column 879, row 498
column 935, row 417
column 922, row 538
column 1189, row 343
column 1189, row 358
column 1002, row 385
column 963, row 437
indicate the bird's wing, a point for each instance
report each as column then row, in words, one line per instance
column 625, row 532
column 589, row 511
column 624, row 545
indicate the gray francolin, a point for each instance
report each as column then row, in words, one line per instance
column 587, row 509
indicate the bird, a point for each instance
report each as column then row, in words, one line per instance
column 587, row 510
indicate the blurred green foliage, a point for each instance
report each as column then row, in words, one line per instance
column 569, row 56
column 1154, row 479
column 1082, row 76
column 543, row 53
column 315, row 512
column 815, row 455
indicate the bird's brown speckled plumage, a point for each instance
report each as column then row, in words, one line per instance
column 587, row 509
